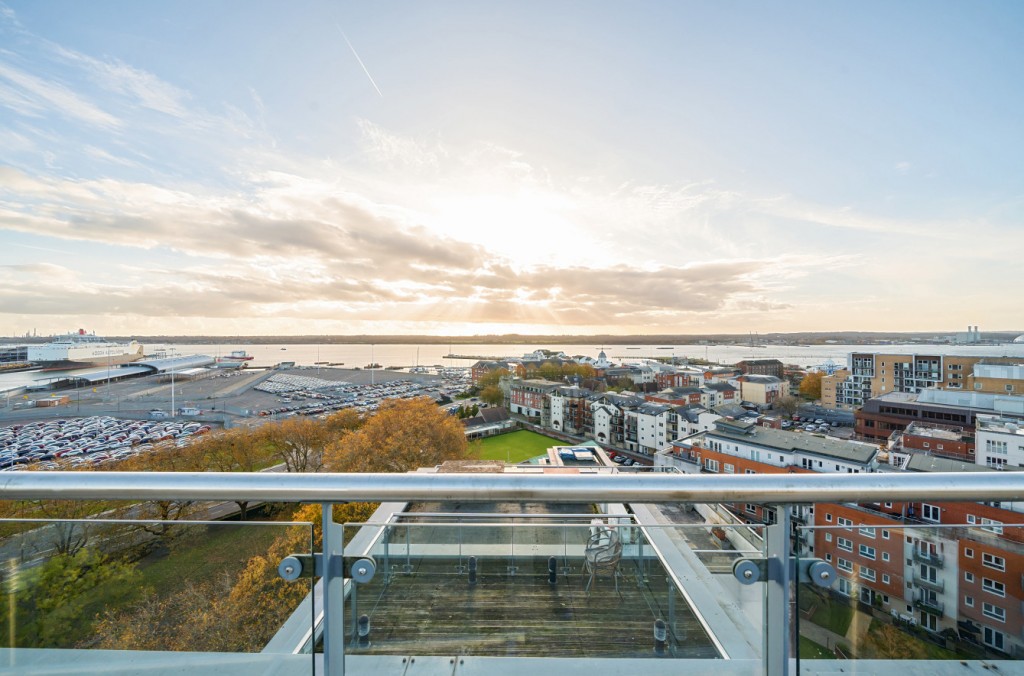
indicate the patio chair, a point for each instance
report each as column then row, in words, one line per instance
column 602, row 555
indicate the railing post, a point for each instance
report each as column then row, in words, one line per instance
column 777, row 610
column 334, row 593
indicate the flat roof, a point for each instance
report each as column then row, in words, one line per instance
column 784, row 440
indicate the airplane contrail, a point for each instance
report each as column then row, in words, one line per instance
column 361, row 64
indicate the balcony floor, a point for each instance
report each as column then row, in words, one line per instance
column 434, row 611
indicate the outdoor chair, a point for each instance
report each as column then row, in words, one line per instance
column 602, row 555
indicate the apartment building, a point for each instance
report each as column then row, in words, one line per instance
column 569, row 409
column 530, row 398
column 762, row 390
column 1000, row 442
column 946, row 441
column 872, row 374
column 761, row 367
column 881, row 416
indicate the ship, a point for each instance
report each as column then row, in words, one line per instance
column 234, row 357
column 83, row 349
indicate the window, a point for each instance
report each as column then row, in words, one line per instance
column 930, row 513
column 994, row 612
column 749, row 471
column 992, row 526
column 885, row 556
column 828, row 537
column 994, row 639
column 867, row 552
column 844, row 522
column 968, row 576
column 970, row 519
column 885, row 532
column 867, row 532
column 868, row 574
column 998, row 448
column 968, row 552
column 828, row 518
column 885, row 578
column 729, row 469
column 711, row 465
column 969, row 601
column 993, row 586
column 844, row 544
column 828, row 557
column 843, row 564
column 751, row 509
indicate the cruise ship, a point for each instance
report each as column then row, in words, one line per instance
column 82, row 348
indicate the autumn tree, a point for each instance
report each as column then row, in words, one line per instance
column 235, row 450
column 232, row 615
column 810, row 386
column 404, row 435
column 166, row 457
column 342, row 421
column 493, row 395
column 298, row 442
column 492, row 378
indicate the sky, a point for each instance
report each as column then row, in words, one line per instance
column 463, row 168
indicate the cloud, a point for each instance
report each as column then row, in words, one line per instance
column 902, row 167
column 142, row 87
column 59, row 98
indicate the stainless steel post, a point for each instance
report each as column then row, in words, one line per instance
column 777, row 609
column 334, row 593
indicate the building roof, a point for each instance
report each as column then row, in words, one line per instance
column 653, row 409
column 723, row 387
column 924, row 462
column 784, row 440
column 756, row 378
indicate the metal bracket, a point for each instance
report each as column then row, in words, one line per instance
column 360, row 569
column 810, row 571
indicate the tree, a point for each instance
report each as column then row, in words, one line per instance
column 810, row 386
column 404, row 435
column 493, row 395
column 299, row 443
column 235, row 450
column 56, row 603
column 788, row 404
column 491, row 378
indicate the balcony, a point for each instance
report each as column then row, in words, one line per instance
column 934, row 585
column 463, row 573
column 929, row 558
column 929, row 605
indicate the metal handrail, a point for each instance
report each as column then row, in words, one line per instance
column 550, row 488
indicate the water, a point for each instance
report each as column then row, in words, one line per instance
column 405, row 355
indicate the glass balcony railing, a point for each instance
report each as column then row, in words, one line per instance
column 651, row 572
column 888, row 603
column 77, row 596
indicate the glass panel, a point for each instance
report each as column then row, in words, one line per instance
column 588, row 585
column 79, row 589
column 911, row 591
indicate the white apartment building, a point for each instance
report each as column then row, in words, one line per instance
column 999, row 442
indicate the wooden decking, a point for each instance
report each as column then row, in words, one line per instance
column 433, row 610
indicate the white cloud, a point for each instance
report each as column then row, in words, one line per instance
column 59, row 98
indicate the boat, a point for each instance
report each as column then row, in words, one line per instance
column 81, row 348
column 235, row 356
column 374, row 365
column 284, row 348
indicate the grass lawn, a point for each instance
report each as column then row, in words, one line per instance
column 809, row 650
column 830, row 614
column 514, row 446
column 207, row 552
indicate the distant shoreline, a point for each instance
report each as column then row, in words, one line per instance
column 797, row 338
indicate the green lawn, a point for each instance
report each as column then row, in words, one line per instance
column 514, row 446
column 207, row 552
column 809, row 650
column 833, row 615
